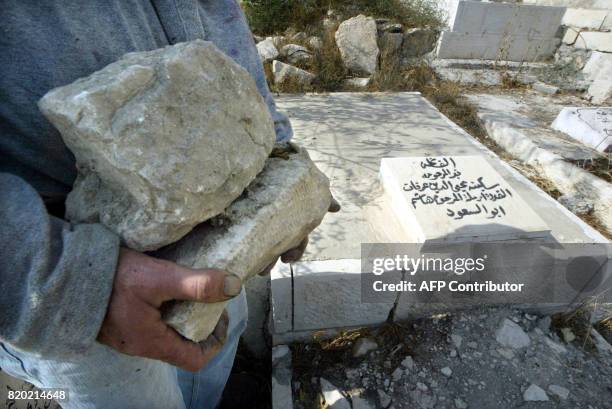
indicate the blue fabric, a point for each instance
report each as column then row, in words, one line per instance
column 50, row 271
column 56, row 278
column 101, row 378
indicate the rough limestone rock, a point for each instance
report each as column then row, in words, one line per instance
column 511, row 335
column 267, row 50
column 418, row 42
column 357, row 41
column 286, row 201
column 284, row 73
column 295, row 53
column 163, row 139
column 332, row 395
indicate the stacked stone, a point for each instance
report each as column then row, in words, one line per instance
column 167, row 140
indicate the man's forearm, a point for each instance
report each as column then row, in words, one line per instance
column 55, row 278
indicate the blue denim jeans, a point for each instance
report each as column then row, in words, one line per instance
column 104, row 378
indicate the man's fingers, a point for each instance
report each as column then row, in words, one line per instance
column 296, row 253
column 334, row 206
column 178, row 351
column 208, row 286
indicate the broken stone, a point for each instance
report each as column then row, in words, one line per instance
column 535, row 394
column 295, row 53
column 545, row 88
column 267, row 50
column 570, row 36
column 284, row 73
column 568, row 335
column 357, row 82
column 357, row 41
column 284, row 203
column 576, row 204
column 559, row 391
column 391, row 43
column 418, row 42
column 594, row 40
column 511, row 335
column 333, row 397
column 363, row 346
column 457, row 340
column 408, row 363
column 157, row 154
column 446, row 371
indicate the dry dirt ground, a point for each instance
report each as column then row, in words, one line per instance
column 459, row 361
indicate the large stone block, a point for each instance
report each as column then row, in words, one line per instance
column 460, row 198
column 357, row 40
column 286, row 201
column 485, row 46
column 598, row 69
column 328, row 294
column 508, row 32
column 594, row 40
column 163, row 139
column 508, row 19
column 585, row 18
column 591, row 126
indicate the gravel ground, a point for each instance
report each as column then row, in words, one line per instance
column 493, row 358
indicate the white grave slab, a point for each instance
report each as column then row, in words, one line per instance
column 591, row 126
column 502, row 31
column 457, row 198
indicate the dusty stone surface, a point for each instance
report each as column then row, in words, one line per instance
column 535, row 394
column 483, row 377
column 418, row 42
column 511, row 335
column 295, row 53
column 363, row 346
column 157, row 154
column 284, row 203
column 267, row 50
column 333, row 397
column 357, row 40
column 285, row 72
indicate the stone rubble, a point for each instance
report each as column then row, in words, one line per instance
column 363, row 346
column 333, row 397
column 285, row 73
column 482, row 377
column 295, row 54
column 356, row 39
column 535, row 394
column 267, row 50
column 286, row 201
column 157, row 155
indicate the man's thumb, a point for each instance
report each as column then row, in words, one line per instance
column 208, row 285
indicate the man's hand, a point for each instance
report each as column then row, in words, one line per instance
column 133, row 323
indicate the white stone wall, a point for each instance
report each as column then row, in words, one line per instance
column 502, row 31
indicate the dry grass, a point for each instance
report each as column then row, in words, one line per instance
column 600, row 167
column 275, row 16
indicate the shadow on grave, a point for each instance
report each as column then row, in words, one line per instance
column 538, row 275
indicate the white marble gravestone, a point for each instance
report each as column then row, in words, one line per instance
column 591, row 126
column 457, row 198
